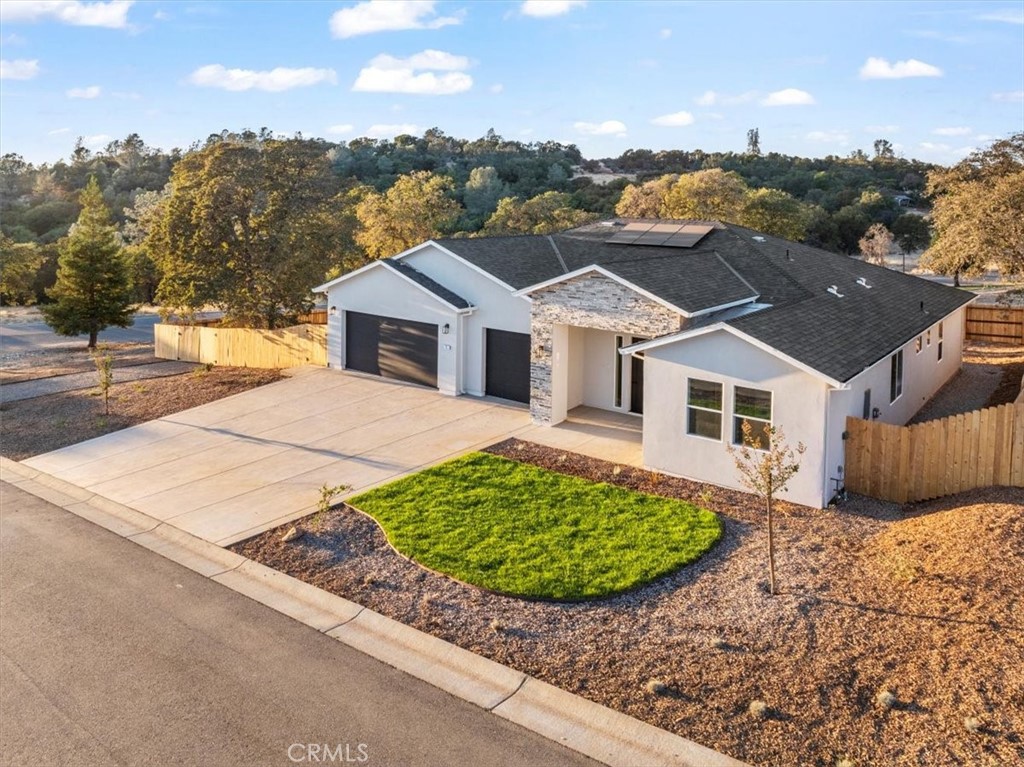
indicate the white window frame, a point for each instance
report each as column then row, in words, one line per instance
column 720, row 412
column 895, row 376
column 751, row 418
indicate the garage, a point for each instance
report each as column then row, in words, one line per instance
column 507, row 373
column 402, row 350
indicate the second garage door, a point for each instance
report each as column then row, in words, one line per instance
column 400, row 349
column 508, row 365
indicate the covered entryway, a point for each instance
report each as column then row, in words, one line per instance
column 507, row 366
column 402, row 350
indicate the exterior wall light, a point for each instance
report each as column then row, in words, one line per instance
column 333, row 311
column 445, row 328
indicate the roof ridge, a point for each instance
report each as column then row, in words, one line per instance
column 558, row 253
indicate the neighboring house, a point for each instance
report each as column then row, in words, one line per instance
column 693, row 326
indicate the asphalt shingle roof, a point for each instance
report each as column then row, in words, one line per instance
column 838, row 337
column 423, row 280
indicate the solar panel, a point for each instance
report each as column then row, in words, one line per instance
column 622, row 238
column 660, row 235
column 651, row 238
column 681, row 241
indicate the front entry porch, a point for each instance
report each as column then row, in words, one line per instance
column 615, row 437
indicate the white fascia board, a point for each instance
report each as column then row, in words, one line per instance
column 347, row 276
column 602, row 271
column 383, row 263
column 458, row 258
column 688, row 334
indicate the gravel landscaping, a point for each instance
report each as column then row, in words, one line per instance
column 990, row 376
column 897, row 638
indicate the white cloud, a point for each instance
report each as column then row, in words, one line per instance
column 387, row 74
column 840, row 137
column 606, row 128
column 387, row 16
column 341, row 130
column 880, row 69
column 713, row 98
column 881, row 129
column 91, row 92
column 58, row 131
column 1009, row 97
column 958, row 131
column 97, row 141
column 390, row 131
column 787, row 97
column 1007, row 16
column 932, row 146
column 665, row 34
column 543, row 9
column 161, row 16
column 674, row 120
column 497, row 88
column 113, row 14
column 18, row 69
column 277, row 79
column 13, row 39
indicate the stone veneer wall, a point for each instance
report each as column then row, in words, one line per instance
column 588, row 301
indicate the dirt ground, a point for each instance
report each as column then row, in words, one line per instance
column 923, row 602
column 991, row 375
column 25, row 366
column 33, row 426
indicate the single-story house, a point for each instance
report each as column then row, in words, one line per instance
column 692, row 326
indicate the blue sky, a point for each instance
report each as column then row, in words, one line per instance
column 935, row 78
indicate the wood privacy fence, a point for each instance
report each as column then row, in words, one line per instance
column 315, row 317
column 995, row 324
column 243, row 347
column 935, row 458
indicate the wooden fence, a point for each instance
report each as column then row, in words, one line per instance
column 935, row 458
column 315, row 317
column 243, row 347
column 995, row 324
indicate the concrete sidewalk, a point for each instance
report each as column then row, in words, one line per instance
column 40, row 387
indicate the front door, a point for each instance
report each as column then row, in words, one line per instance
column 636, row 378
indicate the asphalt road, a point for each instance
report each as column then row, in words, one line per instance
column 113, row 655
column 16, row 337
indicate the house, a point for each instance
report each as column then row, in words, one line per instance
column 691, row 326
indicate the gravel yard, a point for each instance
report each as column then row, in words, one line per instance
column 924, row 603
column 991, row 375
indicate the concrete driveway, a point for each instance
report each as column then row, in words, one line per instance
column 233, row 468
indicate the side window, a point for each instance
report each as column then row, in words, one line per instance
column 896, row 376
column 940, row 342
column 917, row 345
column 704, row 409
column 755, row 407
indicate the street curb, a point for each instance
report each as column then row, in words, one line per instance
column 596, row 731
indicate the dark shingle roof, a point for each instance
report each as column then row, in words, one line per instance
column 838, row 337
column 423, row 280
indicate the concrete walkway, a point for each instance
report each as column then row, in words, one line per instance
column 40, row 387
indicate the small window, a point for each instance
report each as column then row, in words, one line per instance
column 618, row 372
column 928, row 337
column 867, row 404
column 917, row 345
column 754, row 406
column 940, row 342
column 704, row 409
column 896, row 376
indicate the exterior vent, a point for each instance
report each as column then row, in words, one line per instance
column 757, row 238
column 862, row 281
column 835, row 291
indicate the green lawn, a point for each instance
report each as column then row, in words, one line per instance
column 519, row 529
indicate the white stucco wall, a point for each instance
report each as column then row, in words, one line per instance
column 798, row 406
column 496, row 308
column 923, row 375
column 381, row 291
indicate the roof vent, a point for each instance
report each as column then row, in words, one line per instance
column 758, row 238
column 862, row 281
column 612, row 223
column 835, row 291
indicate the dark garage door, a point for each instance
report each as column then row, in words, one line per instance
column 508, row 365
column 400, row 349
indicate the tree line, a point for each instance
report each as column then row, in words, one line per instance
column 250, row 221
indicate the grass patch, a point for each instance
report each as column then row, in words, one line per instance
column 522, row 530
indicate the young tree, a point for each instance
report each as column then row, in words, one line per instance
column 92, row 290
column 876, row 244
column 104, row 362
column 977, row 212
column 765, row 470
column 417, row 208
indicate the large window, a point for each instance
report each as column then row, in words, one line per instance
column 704, row 409
column 754, row 406
column 896, row 376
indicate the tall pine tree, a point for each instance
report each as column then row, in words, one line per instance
column 92, row 290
